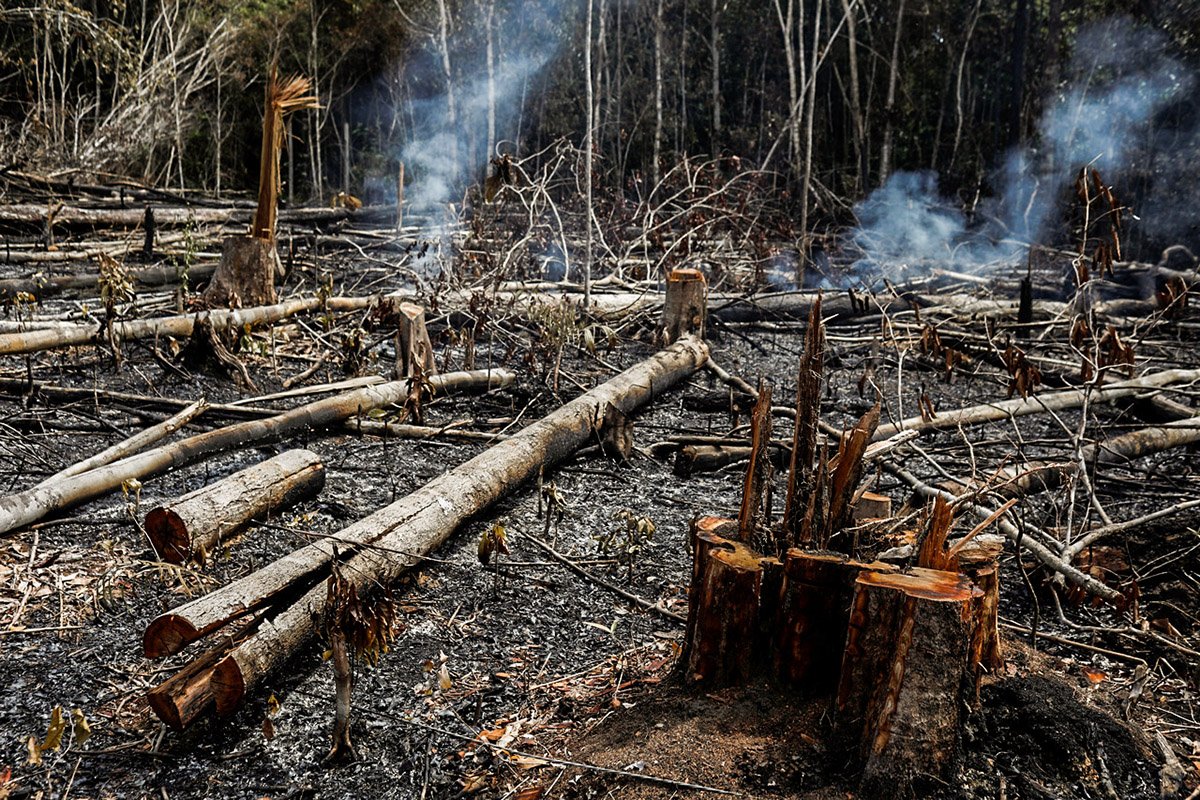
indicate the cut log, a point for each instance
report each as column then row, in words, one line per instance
column 178, row 326
column 907, row 674
column 186, row 696
column 685, row 305
column 31, row 505
column 814, row 616
column 871, row 505
column 402, row 533
column 33, row 216
column 192, row 526
column 41, row 287
column 134, row 444
column 414, row 351
column 246, row 273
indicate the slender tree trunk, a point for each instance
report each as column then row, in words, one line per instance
column 681, row 119
column 658, row 93
column 856, row 111
column 959, row 116
column 889, row 112
column 809, row 113
column 587, row 156
column 786, row 21
column 451, row 103
column 1020, row 44
column 491, row 86
column 714, row 46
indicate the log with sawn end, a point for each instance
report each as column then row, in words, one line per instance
column 191, row 526
column 383, row 545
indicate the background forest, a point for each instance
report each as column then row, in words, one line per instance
column 967, row 116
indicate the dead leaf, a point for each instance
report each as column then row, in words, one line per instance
column 81, row 731
column 35, row 752
column 272, row 705
column 268, row 728
column 54, row 732
column 444, row 678
column 530, row 793
column 1094, row 678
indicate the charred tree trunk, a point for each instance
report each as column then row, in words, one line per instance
column 246, row 274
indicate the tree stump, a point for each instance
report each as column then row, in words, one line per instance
column 814, row 614
column 245, row 276
column 978, row 560
column 731, row 607
column 686, row 306
column 871, row 505
column 413, row 349
column 907, row 672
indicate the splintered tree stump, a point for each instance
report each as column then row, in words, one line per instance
column 979, row 561
column 414, row 351
column 907, row 673
column 191, row 527
column 245, row 275
column 814, row 614
column 731, row 608
column 685, row 307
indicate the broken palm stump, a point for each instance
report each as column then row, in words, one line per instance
column 908, row 673
column 414, row 351
column 245, row 276
column 685, row 307
column 192, row 526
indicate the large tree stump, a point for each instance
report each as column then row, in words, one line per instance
column 191, row 526
column 245, row 275
column 814, row 614
column 907, row 673
column 414, row 351
column 685, row 307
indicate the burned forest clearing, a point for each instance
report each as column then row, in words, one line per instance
column 349, row 448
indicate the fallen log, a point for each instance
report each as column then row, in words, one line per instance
column 42, row 288
column 382, row 546
column 34, row 216
column 179, row 326
column 1035, row 404
column 134, row 444
column 191, row 526
column 31, row 505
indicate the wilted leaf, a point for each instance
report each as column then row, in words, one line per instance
column 444, row 681
column 272, row 705
column 81, row 731
column 531, row 792
column 268, row 728
column 54, row 733
column 35, row 752
column 1094, row 678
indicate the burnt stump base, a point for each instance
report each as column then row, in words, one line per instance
column 899, row 653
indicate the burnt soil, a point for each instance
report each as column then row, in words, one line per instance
column 541, row 661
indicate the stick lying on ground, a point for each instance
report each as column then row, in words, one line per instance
column 31, row 505
column 383, row 545
column 178, row 326
column 190, row 527
column 1036, row 404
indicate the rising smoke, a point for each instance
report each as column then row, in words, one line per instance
column 1119, row 81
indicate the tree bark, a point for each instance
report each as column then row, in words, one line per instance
column 383, row 545
column 889, row 109
column 191, row 526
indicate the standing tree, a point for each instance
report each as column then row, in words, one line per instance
column 246, row 274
